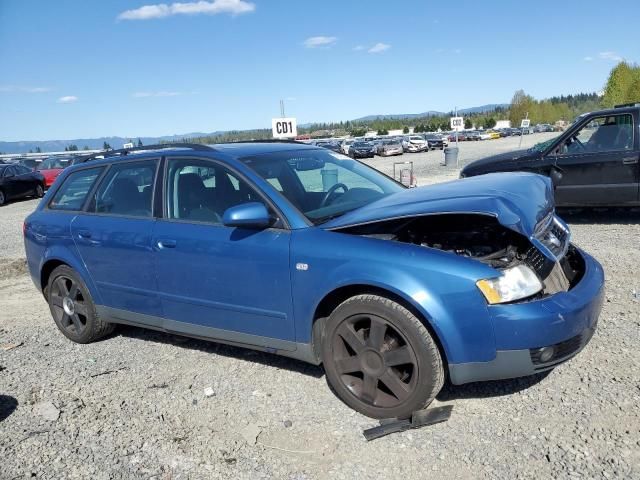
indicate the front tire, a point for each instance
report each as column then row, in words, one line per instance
column 380, row 359
column 72, row 307
column 39, row 191
column 3, row 198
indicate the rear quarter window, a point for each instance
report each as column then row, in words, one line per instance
column 73, row 192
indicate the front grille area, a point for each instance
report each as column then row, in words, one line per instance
column 561, row 350
column 556, row 237
column 538, row 262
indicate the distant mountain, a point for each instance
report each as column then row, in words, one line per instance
column 118, row 142
column 92, row 143
column 433, row 113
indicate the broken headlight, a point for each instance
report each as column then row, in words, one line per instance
column 513, row 284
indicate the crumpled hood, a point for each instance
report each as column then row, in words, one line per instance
column 518, row 200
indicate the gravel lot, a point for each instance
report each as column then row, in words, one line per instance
column 134, row 405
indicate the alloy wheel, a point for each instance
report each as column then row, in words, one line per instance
column 69, row 306
column 374, row 360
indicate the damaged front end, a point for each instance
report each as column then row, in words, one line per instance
column 548, row 252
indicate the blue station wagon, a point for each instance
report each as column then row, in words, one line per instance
column 304, row 252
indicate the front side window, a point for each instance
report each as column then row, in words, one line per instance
column 126, row 189
column 73, row 192
column 608, row 133
column 320, row 183
column 201, row 191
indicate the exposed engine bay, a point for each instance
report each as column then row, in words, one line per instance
column 482, row 238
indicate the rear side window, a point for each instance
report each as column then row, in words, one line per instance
column 72, row 193
column 126, row 189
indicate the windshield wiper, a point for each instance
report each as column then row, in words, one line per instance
column 326, row 218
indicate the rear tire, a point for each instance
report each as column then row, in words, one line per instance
column 72, row 307
column 380, row 359
column 3, row 199
column 39, row 191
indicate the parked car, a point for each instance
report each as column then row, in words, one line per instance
column 473, row 135
column 414, row 144
column 52, row 167
column 361, row 150
column 17, row 181
column 291, row 249
column 595, row 162
column 462, row 136
column 389, row 148
column 494, row 134
column 330, row 145
column 30, row 163
column 543, row 127
column 435, row 141
column 344, row 146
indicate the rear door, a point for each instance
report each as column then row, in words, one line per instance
column 10, row 186
column 26, row 180
column 216, row 281
column 599, row 162
column 113, row 236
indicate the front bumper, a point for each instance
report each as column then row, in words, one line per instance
column 356, row 154
column 416, row 148
column 565, row 321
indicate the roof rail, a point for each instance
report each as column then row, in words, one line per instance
column 161, row 146
column 264, row 140
column 632, row 104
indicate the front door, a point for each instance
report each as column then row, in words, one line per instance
column 114, row 239
column 599, row 163
column 215, row 281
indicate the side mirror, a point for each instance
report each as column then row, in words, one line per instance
column 247, row 215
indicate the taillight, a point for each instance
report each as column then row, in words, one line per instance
column 24, row 228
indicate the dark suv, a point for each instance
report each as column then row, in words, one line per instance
column 300, row 251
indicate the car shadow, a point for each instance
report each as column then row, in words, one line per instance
column 8, row 405
column 624, row 216
column 488, row 389
column 263, row 358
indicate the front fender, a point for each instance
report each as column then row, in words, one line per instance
column 447, row 300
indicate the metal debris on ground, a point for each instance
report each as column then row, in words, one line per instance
column 420, row 418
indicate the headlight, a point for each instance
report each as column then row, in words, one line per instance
column 514, row 283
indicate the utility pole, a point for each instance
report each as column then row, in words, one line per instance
column 455, row 115
column 282, row 108
column 526, row 116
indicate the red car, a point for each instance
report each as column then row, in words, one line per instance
column 51, row 167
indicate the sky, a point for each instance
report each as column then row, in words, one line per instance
column 91, row 68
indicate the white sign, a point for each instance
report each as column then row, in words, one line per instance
column 457, row 123
column 525, row 123
column 284, row 127
column 127, row 145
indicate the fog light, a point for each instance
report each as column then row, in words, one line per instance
column 546, row 353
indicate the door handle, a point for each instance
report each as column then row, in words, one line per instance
column 166, row 243
column 86, row 236
column 630, row 160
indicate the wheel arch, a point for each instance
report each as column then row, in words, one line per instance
column 54, row 258
column 335, row 297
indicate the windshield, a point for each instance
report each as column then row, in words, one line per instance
column 542, row 146
column 320, row 183
column 361, row 144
